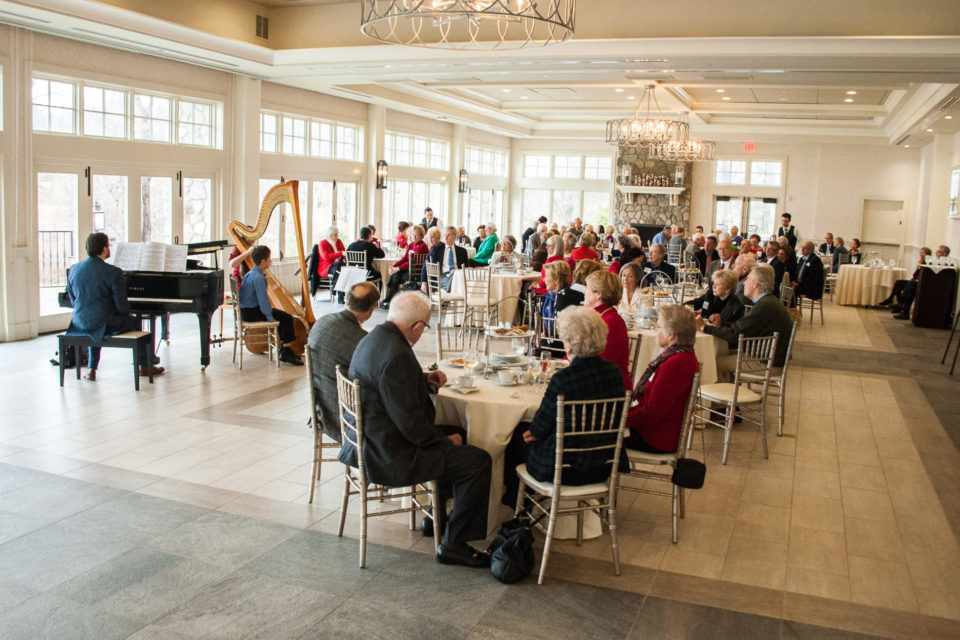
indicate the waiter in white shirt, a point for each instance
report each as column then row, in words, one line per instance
column 449, row 256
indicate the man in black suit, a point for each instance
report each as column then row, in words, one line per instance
column 658, row 262
column 428, row 219
column 370, row 250
column 708, row 254
column 826, row 247
column 808, row 279
column 770, row 257
column 449, row 255
column 787, row 230
column 98, row 295
column 403, row 446
column 481, row 236
column 530, row 230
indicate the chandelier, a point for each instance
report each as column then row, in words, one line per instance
column 468, row 24
column 691, row 150
column 645, row 130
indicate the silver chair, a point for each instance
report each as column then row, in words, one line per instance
column 754, row 356
column 786, row 295
column 803, row 302
column 355, row 482
column 639, row 459
column 319, row 445
column 252, row 332
column 778, row 381
column 580, row 425
column 358, row 259
column 633, row 359
column 477, row 290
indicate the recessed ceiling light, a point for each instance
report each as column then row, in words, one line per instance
column 848, row 99
column 721, row 90
column 523, row 97
column 619, row 90
column 929, row 130
column 851, row 93
column 506, row 90
column 631, row 98
column 906, row 146
column 948, row 117
column 725, row 98
column 783, row 100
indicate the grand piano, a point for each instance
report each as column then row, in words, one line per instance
column 199, row 290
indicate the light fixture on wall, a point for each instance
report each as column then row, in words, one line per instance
column 645, row 129
column 464, row 181
column 382, row 171
column 468, row 24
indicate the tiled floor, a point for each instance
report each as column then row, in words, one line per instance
column 109, row 498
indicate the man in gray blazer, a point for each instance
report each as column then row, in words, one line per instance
column 332, row 341
column 766, row 317
column 725, row 251
column 402, row 445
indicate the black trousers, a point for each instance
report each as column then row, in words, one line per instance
column 633, row 440
column 897, row 291
column 395, row 282
column 466, row 478
column 121, row 324
column 285, row 330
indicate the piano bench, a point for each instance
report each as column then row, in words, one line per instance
column 130, row 340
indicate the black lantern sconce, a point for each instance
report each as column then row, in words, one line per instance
column 382, row 172
column 464, row 181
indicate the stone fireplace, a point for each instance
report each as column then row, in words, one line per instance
column 650, row 208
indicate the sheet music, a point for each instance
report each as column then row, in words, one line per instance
column 348, row 277
column 151, row 256
column 175, row 258
column 126, row 255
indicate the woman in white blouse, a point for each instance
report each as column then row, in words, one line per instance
column 631, row 275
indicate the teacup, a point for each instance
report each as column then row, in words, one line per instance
column 463, row 382
column 505, row 377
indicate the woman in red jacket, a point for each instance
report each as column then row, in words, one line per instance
column 585, row 250
column 661, row 395
column 402, row 234
column 603, row 295
column 331, row 257
column 398, row 272
column 555, row 252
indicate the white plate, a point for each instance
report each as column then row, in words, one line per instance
column 518, row 336
column 450, row 363
column 506, row 384
column 465, row 390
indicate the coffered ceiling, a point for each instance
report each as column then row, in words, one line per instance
column 781, row 71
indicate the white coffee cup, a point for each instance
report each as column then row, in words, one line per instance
column 464, row 382
column 505, row 377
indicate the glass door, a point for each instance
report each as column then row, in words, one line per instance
column 61, row 232
column 749, row 215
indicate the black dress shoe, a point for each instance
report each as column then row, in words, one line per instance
column 902, row 316
column 426, row 527
column 288, row 356
column 462, row 554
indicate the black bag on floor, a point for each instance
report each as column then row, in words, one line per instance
column 512, row 557
column 689, row 473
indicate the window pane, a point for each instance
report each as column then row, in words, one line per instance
column 53, row 106
column 321, row 140
column 347, row 208
column 597, row 167
column 151, row 118
column 729, row 212
column 268, row 133
column 57, row 221
column 596, row 208
column 566, row 206
column 270, row 237
column 197, row 209
column 194, row 124
column 731, row 172
column 322, row 209
column 156, row 207
column 536, row 166
column 110, row 206
column 536, row 203
column 566, row 167
column 765, row 174
column 762, row 217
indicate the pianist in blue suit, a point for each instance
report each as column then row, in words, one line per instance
column 98, row 294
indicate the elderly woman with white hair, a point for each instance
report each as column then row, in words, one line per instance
column 720, row 305
column 656, row 418
column 588, row 377
column 332, row 254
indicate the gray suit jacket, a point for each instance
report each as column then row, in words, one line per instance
column 332, row 341
column 764, row 318
column 717, row 265
column 402, row 445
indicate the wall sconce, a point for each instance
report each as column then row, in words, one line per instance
column 678, row 175
column 382, row 171
column 464, row 180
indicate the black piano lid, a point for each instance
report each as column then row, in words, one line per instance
column 212, row 246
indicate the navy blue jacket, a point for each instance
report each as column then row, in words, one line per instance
column 585, row 379
column 97, row 291
column 436, row 256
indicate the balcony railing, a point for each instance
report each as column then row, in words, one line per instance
column 56, row 254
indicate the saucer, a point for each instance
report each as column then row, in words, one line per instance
column 506, row 384
column 465, row 390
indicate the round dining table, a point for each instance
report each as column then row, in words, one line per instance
column 862, row 285
column 505, row 288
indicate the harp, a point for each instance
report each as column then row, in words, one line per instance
column 246, row 236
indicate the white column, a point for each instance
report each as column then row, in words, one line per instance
column 19, row 275
column 373, row 197
column 242, row 145
column 456, row 201
column 513, row 215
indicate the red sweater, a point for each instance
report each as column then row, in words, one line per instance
column 659, row 411
column 418, row 247
column 540, row 287
column 401, row 240
column 584, row 253
column 328, row 255
column 618, row 344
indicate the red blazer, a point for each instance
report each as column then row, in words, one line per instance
column 540, row 287
column 404, row 261
column 659, row 412
column 329, row 255
column 618, row 344
column 401, row 240
column 584, row 253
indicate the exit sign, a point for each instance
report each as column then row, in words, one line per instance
column 749, row 146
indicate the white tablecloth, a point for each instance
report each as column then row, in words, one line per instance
column 382, row 266
column 706, row 347
column 866, row 285
column 503, row 286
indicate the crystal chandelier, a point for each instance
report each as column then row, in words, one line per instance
column 644, row 130
column 691, row 150
column 468, row 24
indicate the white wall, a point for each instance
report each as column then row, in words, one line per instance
column 826, row 184
column 952, row 233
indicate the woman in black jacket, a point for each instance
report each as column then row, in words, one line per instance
column 719, row 304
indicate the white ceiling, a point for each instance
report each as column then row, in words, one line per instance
column 734, row 88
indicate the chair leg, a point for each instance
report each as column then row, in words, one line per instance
column 413, row 511
column 675, row 511
column 763, row 429
column 579, row 525
column 315, row 471
column 237, row 338
column 346, row 499
column 363, row 525
column 614, row 547
column 136, row 368
column 243, row 340
column 780, row 401
column 546, row 543
column 821, row 313
column 76, row 359
column 521, row 490
column 276, row 345
column 683, row 502
column 435, row 500
column 731, row 413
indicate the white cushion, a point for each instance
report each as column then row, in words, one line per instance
column 723, row 392
column 643, row 457
column 566, row 491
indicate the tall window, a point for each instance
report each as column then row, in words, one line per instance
column 151, row 118
column 406, row 200
column 195, row 124
column 104, row 112
column 54, row 106
column 348, row 143
column 486, row 162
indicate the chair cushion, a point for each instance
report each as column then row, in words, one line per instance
column 566, row 491
column 642, row 457
column 263, row 324
column 133, row 335
column 723, row 392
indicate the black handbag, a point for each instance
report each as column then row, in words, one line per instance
column 689, row 473
column 512, row 558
